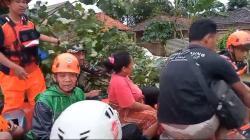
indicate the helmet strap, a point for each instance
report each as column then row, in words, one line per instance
column 233, row 53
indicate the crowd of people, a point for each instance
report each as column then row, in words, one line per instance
column 179, row 109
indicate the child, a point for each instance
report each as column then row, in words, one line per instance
column 51, row 103
column 19, row 41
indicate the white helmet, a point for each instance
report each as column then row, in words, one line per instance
column 87, row 120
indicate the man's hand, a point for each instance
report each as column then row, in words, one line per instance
column 93, row 93
column 50, row 39
column 20, row 72
column 57, row 41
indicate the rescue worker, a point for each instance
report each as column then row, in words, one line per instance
column 51, row 103
column 238, row 45
column 19, row 40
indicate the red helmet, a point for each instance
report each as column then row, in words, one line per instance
column 238, row 39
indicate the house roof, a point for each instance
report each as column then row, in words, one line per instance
column 110, row 22
column 238, row 16
column 53, row 8
column 107, row 20
column 183, row 23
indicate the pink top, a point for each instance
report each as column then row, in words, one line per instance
column 123, row 92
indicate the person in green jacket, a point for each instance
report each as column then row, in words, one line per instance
column 51, row 103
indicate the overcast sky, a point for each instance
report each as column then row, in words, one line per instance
column 50, row 2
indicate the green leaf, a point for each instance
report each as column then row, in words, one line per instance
column 99, row 44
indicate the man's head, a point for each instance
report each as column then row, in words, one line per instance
column 80, row 56
column 204, row 32
column 17, row 7
column 238, row 44
column 66, row 70
column 79, row 52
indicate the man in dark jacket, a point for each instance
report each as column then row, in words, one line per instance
column 184, row 110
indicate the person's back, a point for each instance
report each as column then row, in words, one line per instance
column 184, row 110
column 180, row 88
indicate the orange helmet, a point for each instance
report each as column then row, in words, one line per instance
column 66, row 62
column 238, row 39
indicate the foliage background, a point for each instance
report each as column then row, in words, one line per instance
column 159, row 31
column 74, row 26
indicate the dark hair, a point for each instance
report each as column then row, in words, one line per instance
column 200, row 28
column 117, row 61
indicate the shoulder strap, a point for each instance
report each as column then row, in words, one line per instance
column 6, row 18
column 201, row 79
column 17, row 43
column 12, row 24
column 9, row 21
column 2, row 20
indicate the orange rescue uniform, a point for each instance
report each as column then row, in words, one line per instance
column 19, row 42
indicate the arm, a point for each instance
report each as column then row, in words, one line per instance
column 42, row 121
column 93, row 93
column 46, row 38
column 243, row 92
column 20, row 72
column 224, row 70
column 6, row 62
column 125, row 97
column 3, row 59
column 49, row 39
column 140, row 107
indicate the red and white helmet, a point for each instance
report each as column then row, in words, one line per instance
column 238, row 39
column 87, row 120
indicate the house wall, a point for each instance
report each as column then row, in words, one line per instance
column 241, row 26
column 226, row 29
column 155, row 48
column 139, row 35
column 184, row 33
